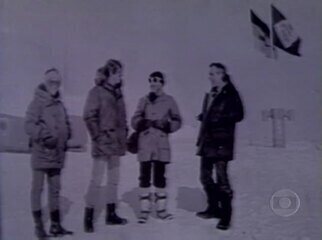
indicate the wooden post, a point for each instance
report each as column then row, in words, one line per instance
column 278, row 127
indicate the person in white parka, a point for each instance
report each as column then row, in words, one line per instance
column 157, row 115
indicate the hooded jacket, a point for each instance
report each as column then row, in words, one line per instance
column 46, row 118
column 105, row 118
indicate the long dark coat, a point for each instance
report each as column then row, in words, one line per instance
column 217, row 131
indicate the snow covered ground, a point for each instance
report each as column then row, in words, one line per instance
column 256, row 174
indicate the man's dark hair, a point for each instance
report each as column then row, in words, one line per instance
column 218, row 65
column 226, row 77
column 111, row 67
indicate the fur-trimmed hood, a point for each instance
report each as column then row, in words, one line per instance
column 42, row 95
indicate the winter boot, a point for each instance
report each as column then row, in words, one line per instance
column 145, row 207
column 39, row 226
column 56, row 229
column 226, row 203
column 213, row 210
column 161, row 206
column 88, row 220
column 111, row 217
column 209, row 212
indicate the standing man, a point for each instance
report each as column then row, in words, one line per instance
column 48, row 127
column 157, row 115
column 222, row 109
column 105, row 118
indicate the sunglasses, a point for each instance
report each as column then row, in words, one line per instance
column 156, row 80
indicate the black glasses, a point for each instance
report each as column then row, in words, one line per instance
column 156, row 79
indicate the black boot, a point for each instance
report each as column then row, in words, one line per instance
column 39, row 225
column 56, row 228
column 213, row 210
column 210, row 212
column 224, row 222
column 88, row 220
column 111, row 216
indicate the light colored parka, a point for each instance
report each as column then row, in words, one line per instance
column 154, row 143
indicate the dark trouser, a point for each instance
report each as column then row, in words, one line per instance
column 219, row 192
column 159, row 179
column 222, row 179
column 159, row 182
column 53, row 178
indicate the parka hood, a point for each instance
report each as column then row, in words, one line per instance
column 44, row 96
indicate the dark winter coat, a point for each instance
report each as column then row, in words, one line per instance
column 154, row 142
column 48, row 127
column 105, row 118
column 217, row 131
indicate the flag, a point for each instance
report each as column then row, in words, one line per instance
column 262, row 35
column 284, row 36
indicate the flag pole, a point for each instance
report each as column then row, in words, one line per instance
column 273, row 51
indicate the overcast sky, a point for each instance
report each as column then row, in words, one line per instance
column 179, row 38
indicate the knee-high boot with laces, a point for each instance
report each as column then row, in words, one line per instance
column 161, row 200
column 145, row 207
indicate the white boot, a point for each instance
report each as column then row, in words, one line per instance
column 161, row 206
column 145, row 207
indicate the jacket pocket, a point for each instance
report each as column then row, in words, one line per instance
column 163, row 141
column 108, row 142
column 43, row 152
column 223, row 152
column 107, row 137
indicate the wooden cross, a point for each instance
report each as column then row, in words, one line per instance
column 278, row 116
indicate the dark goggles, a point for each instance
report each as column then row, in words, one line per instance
column 156, row 80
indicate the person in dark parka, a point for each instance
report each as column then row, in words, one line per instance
column 222, row 109
column 47, row 125
column 105, row 118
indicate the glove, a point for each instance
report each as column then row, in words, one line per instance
column 50, row 142
column 144, row 124
column 164, row 126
